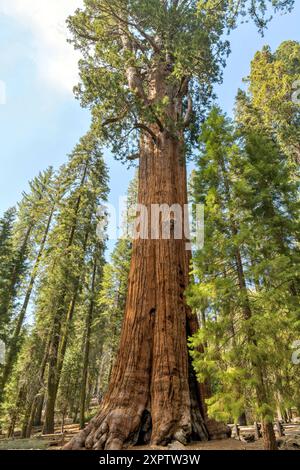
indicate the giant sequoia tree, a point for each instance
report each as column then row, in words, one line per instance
column 147, row 72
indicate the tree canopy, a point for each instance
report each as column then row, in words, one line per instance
column 130, row 47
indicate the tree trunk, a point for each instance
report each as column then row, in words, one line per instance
column 53, row 373
column 151, row 382
column 75, row 415
column 60, row 347
column 260, row 388
column 257, row 430
column 86, row 349
column 279, row 428
column 12, row 425
column 55, row 364
column 37, row 420
column 242, row 419
column 37, row 403
column 269, row 436
column 25, row 424
column 236, row 431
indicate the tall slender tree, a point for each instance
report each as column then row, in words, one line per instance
column 251, row 224
column 65, row 239
column 86, row 179
column 96, row 273
column 38, row 207
column 6, row 268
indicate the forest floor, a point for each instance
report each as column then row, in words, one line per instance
column 225, row 444
column 57, row 440
column 37, row 444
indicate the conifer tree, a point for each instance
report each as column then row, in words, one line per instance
column 86, row 179
column 245, row 270
column 65, row 243
column 37, row 208
column 272, row 98
column 6, row 268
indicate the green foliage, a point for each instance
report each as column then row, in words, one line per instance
column 112, row 300
column 64, row 292
column 22, row 237
column 252, row 218
column 62, row 280
column 7, row 256
column 233, row 11
column 144, row 62
column 271, row 100
column 149, row 67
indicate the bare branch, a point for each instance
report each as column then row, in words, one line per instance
column 189, row 112
column 134, row 79
column 134, row 156
column 157, row 120
column 115, row 119
column 139, row 125
column 184, row 86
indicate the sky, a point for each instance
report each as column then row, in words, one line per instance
column 41, row 121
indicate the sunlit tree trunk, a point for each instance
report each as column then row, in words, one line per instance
column 153, row 391
column 86, row 349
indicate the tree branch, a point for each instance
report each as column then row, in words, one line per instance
column 134, row 156
column 113, row 120
column 183, row 89
column 139, row 125
column 157, row 120
column 189, row 112
column 133, row 25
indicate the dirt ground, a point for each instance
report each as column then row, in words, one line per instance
column 226, row 444
column 37, row 442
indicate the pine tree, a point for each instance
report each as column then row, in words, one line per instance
column 246, row 268
column 86, row 177
column 68, row 241
column 112, row 300
column 6, row 268
column 272, row 98
column 36, row 211
column 95, row 278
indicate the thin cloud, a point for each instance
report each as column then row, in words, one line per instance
column 55, row 59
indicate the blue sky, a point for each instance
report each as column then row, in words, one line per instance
column 41, row 121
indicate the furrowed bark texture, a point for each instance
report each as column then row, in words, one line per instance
column 153, row 394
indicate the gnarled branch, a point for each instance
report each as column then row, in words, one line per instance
column 189, row 112
column 134, row 156
column 140, row 125
column 115, row 119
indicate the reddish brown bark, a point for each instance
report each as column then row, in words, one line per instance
column 153, row 394
column 152, row 377
column 269, row 438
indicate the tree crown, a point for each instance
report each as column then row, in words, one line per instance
column 153, row 63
